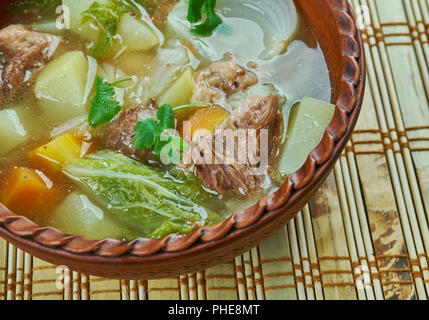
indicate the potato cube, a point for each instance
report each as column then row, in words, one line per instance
column 307, row 124
column 61, row 86
column 78, row 215
column 88, row 31
column 136, row 34
column 180, row 92
column 12, row 132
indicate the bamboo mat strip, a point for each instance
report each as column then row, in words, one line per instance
column 297, row 261
column 277, row 268
column 257, row 273
column 314, row 263
column 44, row 281
column 369, row 267
column 365, row 233
column 3, row 264
column 250, row 279
column 333, row 252
column 354, row 240
column 11, row 267
column 305, row 259
column 405, row 167
column 220, row 282
column 240, row 278
column 104, row 289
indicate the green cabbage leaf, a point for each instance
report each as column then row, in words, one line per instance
column 148, row 201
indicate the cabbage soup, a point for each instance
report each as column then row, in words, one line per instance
column 142, row 118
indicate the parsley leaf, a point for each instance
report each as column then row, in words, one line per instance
column 23, row 6
column 107, row 17
column 103, row 105
column 165, row 116
column 159, row 135
column 145, row 137
column 196, row 10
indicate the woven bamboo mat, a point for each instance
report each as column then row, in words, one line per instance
column 364, row 235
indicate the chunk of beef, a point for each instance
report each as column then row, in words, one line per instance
column 160, row 15
column 221, row 80
column 238, row 167
column 121, row 132
column 21, row 53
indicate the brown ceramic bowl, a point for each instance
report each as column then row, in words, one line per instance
column 334, row 26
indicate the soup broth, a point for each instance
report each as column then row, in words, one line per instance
column 81, row 132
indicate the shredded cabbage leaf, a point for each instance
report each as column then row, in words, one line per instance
column 107, row 17
column 149, row 202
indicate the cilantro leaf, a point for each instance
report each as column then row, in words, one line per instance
column 165, row 116
column 103, row 106
column 23, row 6
column 196, row 10
column 159, row 135
column 145, row 134
column 107, row 17
column 160, row 143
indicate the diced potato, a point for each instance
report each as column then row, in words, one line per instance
column 65, row 148
column 12, row 131
column 307, row 124
column 61, row 86
column 167, row 64
column 180, row 92
column 78, row 215
column 28, row 190
column 29, row 117
column 88, row 31
column 136, row 34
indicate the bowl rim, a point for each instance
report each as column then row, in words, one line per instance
column 22, row 231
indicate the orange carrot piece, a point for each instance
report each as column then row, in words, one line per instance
column 27, row 189
column 207, row 119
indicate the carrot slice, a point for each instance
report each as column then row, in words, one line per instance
column 28, row 189
column 202, row 118
column 207, row 119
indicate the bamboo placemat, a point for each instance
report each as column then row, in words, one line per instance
column 364, row 235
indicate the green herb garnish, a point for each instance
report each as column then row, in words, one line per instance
column 159, row 135
column 26, row 5
column 197, row 10
column 103, row 105
column 107, row 17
